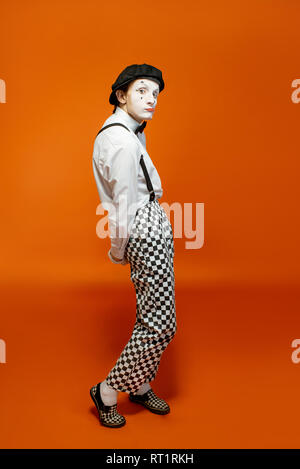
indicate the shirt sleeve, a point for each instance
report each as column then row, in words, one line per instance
column 122, row 174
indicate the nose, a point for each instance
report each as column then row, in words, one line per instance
column 151, row 100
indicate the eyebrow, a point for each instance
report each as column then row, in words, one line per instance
column 146, row 86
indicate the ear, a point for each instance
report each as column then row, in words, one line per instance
column 121, row 96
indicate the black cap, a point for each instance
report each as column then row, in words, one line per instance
column 132, row 72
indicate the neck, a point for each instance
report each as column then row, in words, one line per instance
column 124, row 108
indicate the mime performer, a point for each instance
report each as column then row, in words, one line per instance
column 141, row 235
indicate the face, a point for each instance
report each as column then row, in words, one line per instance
column 141, row 99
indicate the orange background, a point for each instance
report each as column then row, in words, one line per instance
column 225, row 133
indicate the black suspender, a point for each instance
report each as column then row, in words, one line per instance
column 142, row 162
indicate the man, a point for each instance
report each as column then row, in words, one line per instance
column 141, row 235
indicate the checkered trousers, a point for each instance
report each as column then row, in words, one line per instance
column 150, row 252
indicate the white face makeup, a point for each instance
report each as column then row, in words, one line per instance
column 141, row 99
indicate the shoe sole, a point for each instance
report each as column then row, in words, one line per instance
column 155, row 411
column 99, row 412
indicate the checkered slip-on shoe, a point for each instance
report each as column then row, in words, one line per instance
column 108, row 415
column 151, row 402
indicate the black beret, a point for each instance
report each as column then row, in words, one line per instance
column 132, row 72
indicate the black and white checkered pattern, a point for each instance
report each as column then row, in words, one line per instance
column 151, row 401
column 108, row 415
column 150, row 252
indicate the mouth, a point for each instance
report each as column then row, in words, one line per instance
column 151, row 109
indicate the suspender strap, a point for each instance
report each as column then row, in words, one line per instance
column 142, row 162
column 148, row 180
column 109, row 125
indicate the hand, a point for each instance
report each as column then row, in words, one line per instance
column 115, row 258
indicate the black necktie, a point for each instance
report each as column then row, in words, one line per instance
column 141, row 127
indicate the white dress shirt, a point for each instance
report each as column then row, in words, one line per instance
column 117, row 171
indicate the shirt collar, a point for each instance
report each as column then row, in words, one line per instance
column 124, row 117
